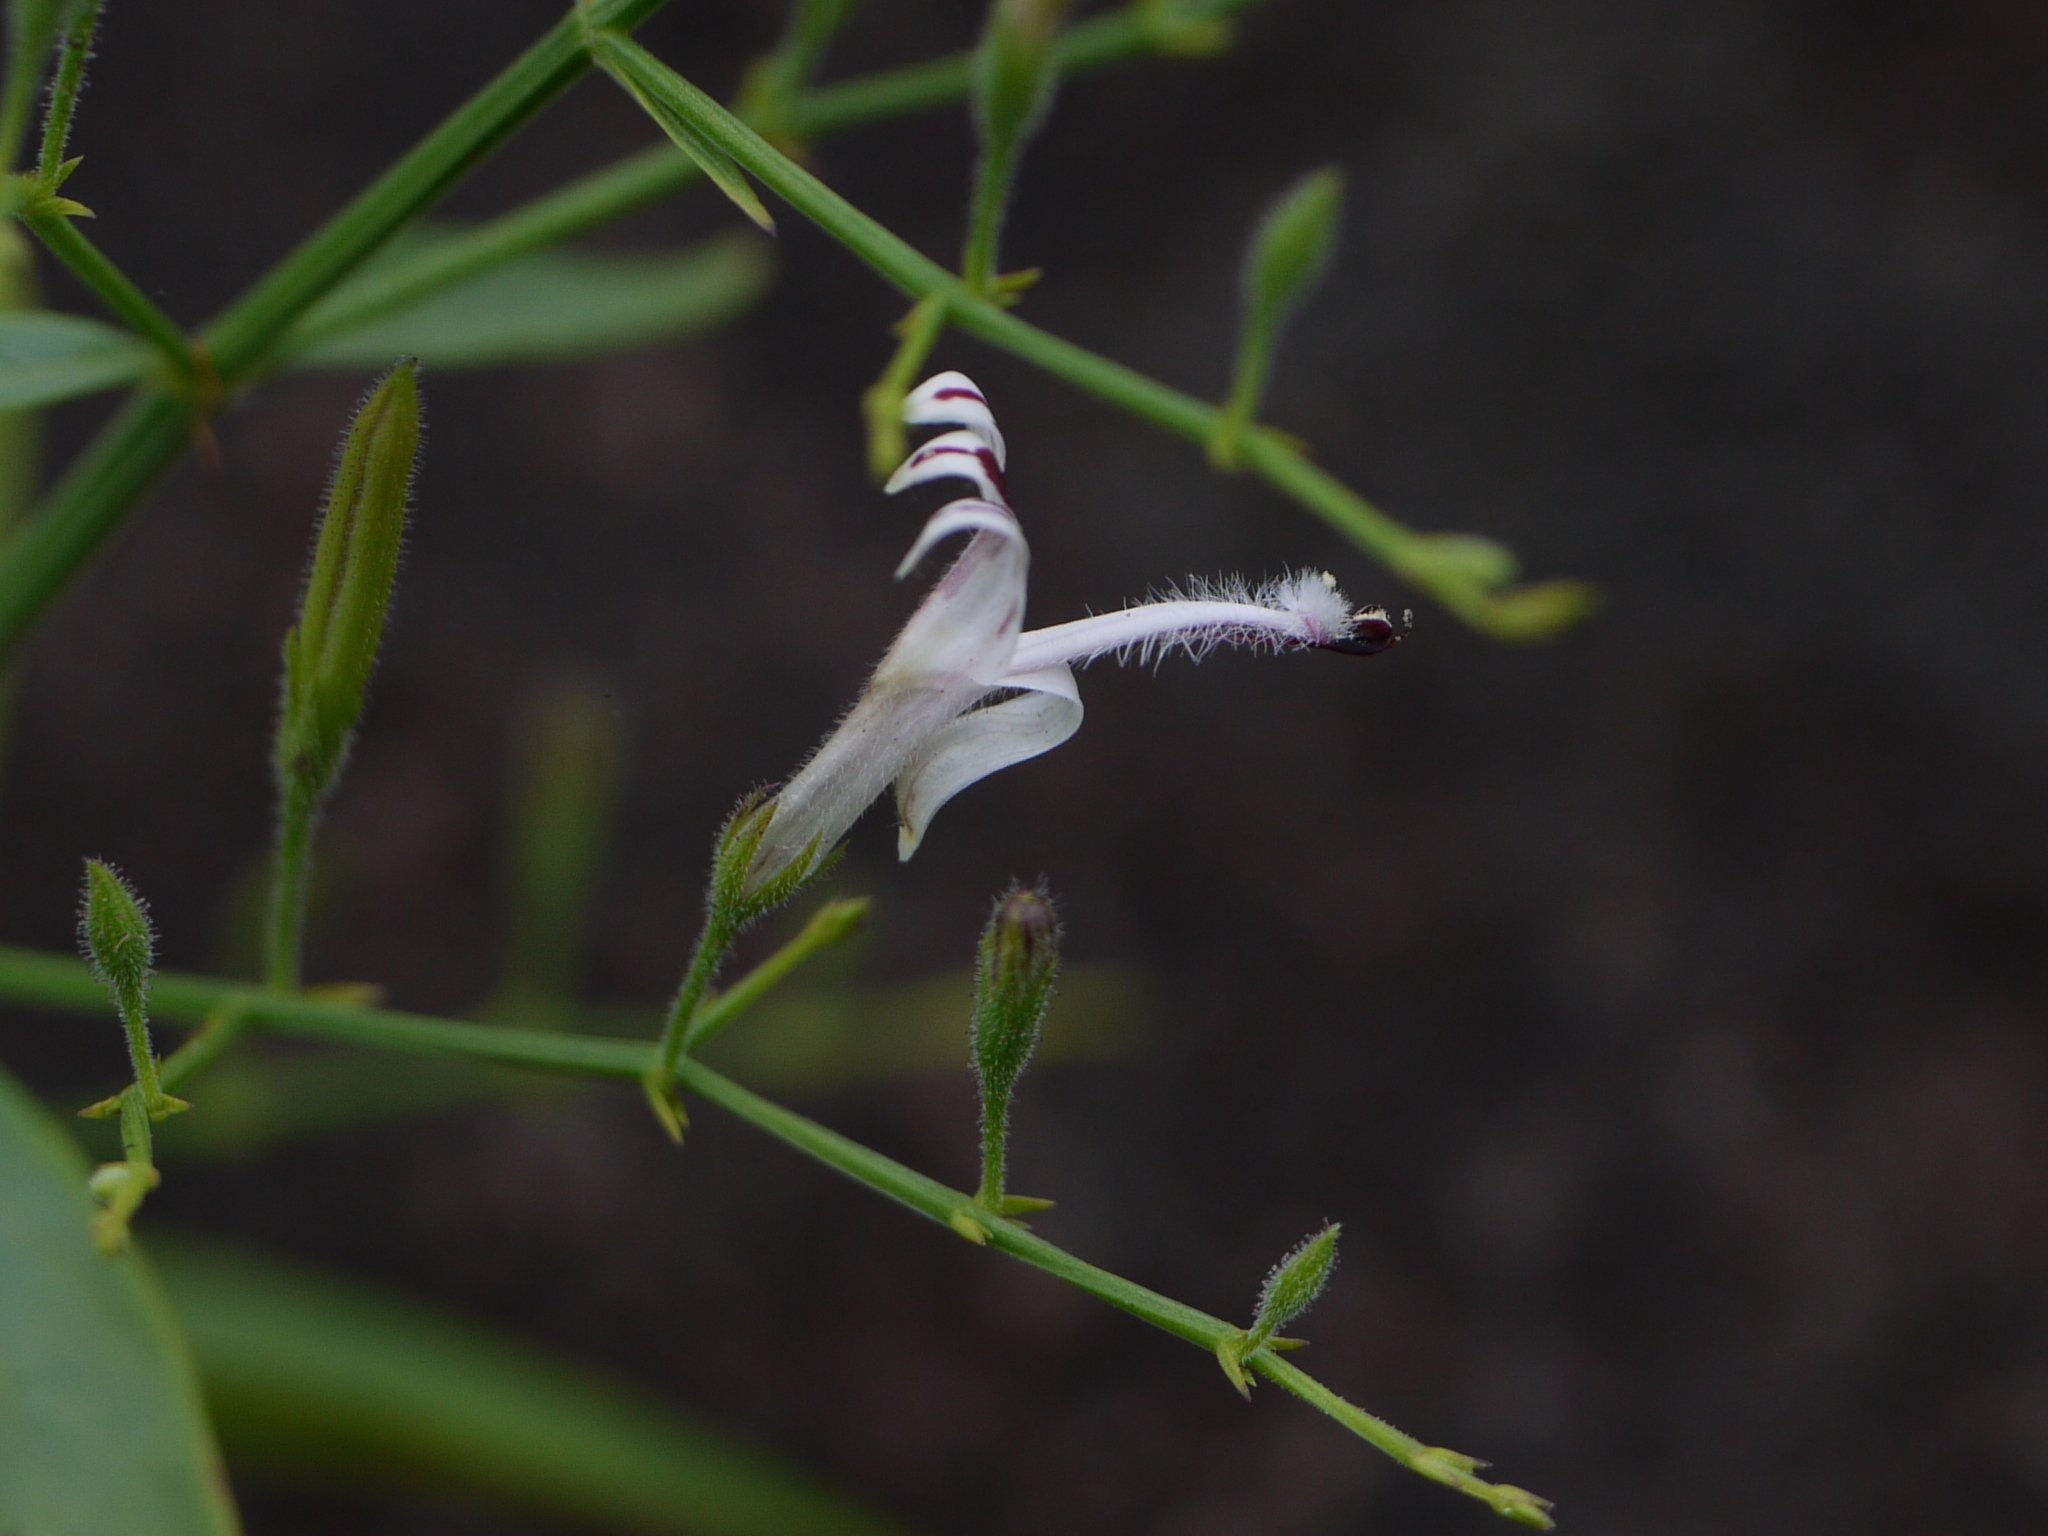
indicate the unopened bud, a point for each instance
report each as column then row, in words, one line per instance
column 115, row 934
column 1295, row 1283
column 1015, row 70
column 120, row 947
column 1288, row 254
column 1292, row 246
column 331, row 652
column 1019, row 962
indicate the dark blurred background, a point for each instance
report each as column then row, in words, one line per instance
column 1660, row 1009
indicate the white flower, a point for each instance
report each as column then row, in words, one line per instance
column 922, row 723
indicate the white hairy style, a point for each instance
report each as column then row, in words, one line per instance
column 965, row 690
column 1194, row 617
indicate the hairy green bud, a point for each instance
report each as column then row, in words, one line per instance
column 1018, row 964
column 115, row 935
column 331, row 652
column 119, row 945
column 1295, row 1283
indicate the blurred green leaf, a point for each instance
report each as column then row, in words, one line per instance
column 312, row 1377
column 101, row 1429
column 545, row 306
column 566, row 763
column 45, row 357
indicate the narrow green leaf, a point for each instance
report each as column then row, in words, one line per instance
column 624, row 65
column 101, row 1429
column 46, row 357
column 321, row 1380
column 548, row 306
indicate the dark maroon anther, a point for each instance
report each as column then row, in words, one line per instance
column 1371, row 632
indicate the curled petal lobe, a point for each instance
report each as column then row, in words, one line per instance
column 1044, row 713
column 962, row 454
column 953, row 400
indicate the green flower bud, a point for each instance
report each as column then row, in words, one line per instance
column 115, row 934
column 1295, row 1283
column 1015, row 69
column 1019, row 962
column 119, row 945
column 330, row 654
column 1289, row 252
column 1292, row 246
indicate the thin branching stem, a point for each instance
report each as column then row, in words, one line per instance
column 32, row 977
column 107, row 480
column 72, row 54
column 1515, row 614
column 291, row 871
column 63, row 239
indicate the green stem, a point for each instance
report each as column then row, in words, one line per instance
column 829, row 926
column 27, row 976
column 85, row 507
column 1530, row 613
column 136, row 447
column 72, row 54
column 113, row 287
column 652, row 174
column 919, row 332
column 995, row 1141
column 143, row 1058
column 1247, row 389
column 221, row 1030
column 993, row 174
column 241, row 338
column 298, row 810
column 139, row 444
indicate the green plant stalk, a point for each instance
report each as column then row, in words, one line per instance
column 1405, row 552
column 139, row 444
column 828, row 927
column 110, row 285
column 995, row 1150
column 135, row 447
column 221, row 1030
column 1247, row 389
column 241, row 337
column 21, row 441
column 72, row 54
column 31, row 977
column 646, row 177
column 290, row 874
column 713, row 945
column 993, row 177
column 917, row 332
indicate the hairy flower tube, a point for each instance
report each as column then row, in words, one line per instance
column 965, row 690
